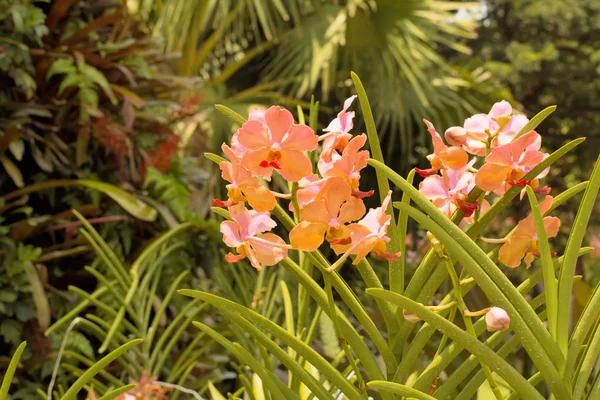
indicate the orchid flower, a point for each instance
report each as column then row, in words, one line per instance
column 337, row 132
column 348, row 165
column 523, row 241
column 369, row 235
column 443, row 157
column 507, row 164
column 449, row 191
column 498, row 123
column 276, row 144
column 327, row 216
column 243, row 186
column 245, row 232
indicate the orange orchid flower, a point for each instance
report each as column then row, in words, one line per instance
column 369, row 235
column 337, row 132
column 243, row 186
column 507, row 164
column 327, row 216
column 246, row 233
column 443, row 157
column 523, row 242
column 276, row 144
column 348, row 165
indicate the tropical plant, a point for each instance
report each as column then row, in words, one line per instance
column 555, row 360
column 405, row 49
column 138, row 301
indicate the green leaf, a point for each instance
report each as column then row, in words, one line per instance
column 535, row 121
column 235, row 117
column 473, row 345
column 13, row 171
column 550, row 285
column 10, row 330
column 88, row 375
column 130, row 203
column 214, row 392
column 98, row 78
column 399, row 389
column 61, row 66
column 17, row 148
column 329, row 338
column 565, row 281
column 269, row 379
column 10, row 371
column 280, row 333
column 116, row 392
column 39, row 295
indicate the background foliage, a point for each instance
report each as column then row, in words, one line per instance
column 122, row 92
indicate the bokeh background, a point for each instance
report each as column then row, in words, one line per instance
column 123, row 92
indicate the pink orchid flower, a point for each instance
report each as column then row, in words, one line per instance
column 498, row 121
column 443, row 157
column 523, row 242
column 369, row 235
column 327, row 216
column 507, row 164
column 245, row 232
column 337, row 132
column 348, row 165
column 277, row 144
column 449, row 191
column 243, row 186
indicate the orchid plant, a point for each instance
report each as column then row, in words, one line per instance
column 474, row 174
column 476, row 171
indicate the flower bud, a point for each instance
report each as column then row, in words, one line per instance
column 497, row 320
column 456, row 135
column 410, row 317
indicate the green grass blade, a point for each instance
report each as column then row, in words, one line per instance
column 550, row 285
column 88, row 375
column 10, row 371
column 474, row 346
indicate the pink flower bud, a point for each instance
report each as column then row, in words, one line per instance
column 456, row 135
column 497, row 320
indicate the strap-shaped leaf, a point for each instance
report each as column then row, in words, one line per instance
column 114, row 393
column 565, row 281
column 397, row 388
column 550, row 285
column 535, row 121
column 481, row 351
column 10, row 371
column 426, row 268
column 88, row 375
column 280, row 333
column 521, row 322
column 272, row 382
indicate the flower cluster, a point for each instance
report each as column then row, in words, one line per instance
column 492, row 140
column 329, row 201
